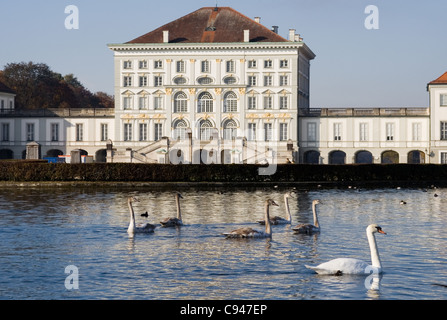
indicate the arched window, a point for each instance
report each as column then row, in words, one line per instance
column 180, row 102
column 230, row 102
column 179, row 132
column 206, row 129
column 205, row 102
column 230, row 130
column 337, row 157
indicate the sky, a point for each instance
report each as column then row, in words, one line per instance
column 355, row 66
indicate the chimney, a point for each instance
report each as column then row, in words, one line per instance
column 258, row 19
column 275, row 29
column 298, row 38
column 292, row 34
column 165, row 36
column 246, row 35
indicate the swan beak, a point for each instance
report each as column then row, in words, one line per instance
column 381, row 231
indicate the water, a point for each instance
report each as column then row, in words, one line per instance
column 44, row 230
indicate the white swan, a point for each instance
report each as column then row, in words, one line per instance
column 309, row 228
column 174, row 222
column 252, row 233
column 342, row 266
column 133, row 227
column 279, row 220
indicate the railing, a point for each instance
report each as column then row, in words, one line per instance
column 61, row 113
column 362, row 112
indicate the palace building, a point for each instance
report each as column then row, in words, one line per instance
column 216, row 86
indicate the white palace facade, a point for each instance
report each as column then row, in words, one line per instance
column 218, row 87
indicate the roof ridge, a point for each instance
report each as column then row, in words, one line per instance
column 228, row 27
column 441, row 80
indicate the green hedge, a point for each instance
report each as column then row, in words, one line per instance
column 18, row 171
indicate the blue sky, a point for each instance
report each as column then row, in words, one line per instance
column 354, row 67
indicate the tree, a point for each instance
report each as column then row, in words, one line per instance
column 38, row 87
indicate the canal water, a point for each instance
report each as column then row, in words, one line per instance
column 72, row 243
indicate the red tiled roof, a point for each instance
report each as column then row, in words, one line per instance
column 4, row 88
column 441, row 80
column 211, row 25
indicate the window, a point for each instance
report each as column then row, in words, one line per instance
column 443, row 130
column 390, row 132
column 230, row 102
column 312, row 131
column 180, row 102
column 230, row 130
column 158, row 64
column 252, row 102
column 283, row 132
column 205, row 130
column 158, row 81
column 127, row 132
column 283, row 81
column 158, row 133
column 181, row 66
column 55, row 132
column 284, row 102
column 30, row 132
column 251, row 132
column 127, row 103
column 443, row 157
column 268, row 64
column 230, row 66
column 284, row 63
column 205, row 66
column 127, row 81
column 337, row 131
column 417, row 131
column 268, row 131
column 142, row 64
column 158, row 103
column 252, row 81
column 268, row 102
column 127, row 64
column 2, row 105
column 363, row 131
column 252, row 64
column 268, row 81
column 5, row 131
column 205, row 102
column 180, row 127
column 180, row 80
column 79, row 132
column 104, row 132
column 230, row 80
column 443, row 100
column 143, row 132
column 205, row 81
column 143, row 81
column 142, row 102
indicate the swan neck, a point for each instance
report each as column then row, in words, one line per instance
column 132, row 215
column 375, row 258
column 288, row 215
column 179, row 211
column 314, row 210
column 268, row 227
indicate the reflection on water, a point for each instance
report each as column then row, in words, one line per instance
column 42, row 231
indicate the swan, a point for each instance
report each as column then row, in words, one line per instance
column 342, row 266
column 309, row 228
column 279, row 220
column 174, row 222
column 133, row 227
column 252, row 233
